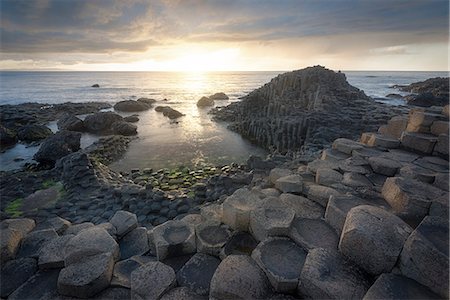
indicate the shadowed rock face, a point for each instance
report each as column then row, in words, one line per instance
column 309, row 107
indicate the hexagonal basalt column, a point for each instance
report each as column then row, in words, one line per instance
column 237, row 207
column 174, row 238
column 271, row 221
column 282, row 261
column 211, row 237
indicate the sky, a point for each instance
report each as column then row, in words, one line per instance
column 225, row 35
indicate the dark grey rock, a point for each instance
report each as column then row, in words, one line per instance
column 51, row 254
column 182, row 293
column 57, row 146
column 32, row 133
column 240, row 243
column 70, row 122
column 101, row 122
column 313, row 233
column 34, row 241
column 124, row 128
column 123, row 269
column 14, row 273
column 152, row 280
column 114, row 293
column 124, row 222
column 42, row 285
column 134, row 243
column 131, row 106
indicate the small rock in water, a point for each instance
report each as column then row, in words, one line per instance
column 96, row 85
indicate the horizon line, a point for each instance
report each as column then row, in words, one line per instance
column 209, row 71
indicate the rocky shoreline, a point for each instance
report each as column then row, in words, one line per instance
column 330, row 218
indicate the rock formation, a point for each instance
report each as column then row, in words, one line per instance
column 433, row 91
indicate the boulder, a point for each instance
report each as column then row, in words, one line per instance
column 426, row 99
column 211, row 237
column 379, row 140
column 59, row 224
column 14, row 273
column 417, row 172
column 32, row 133
column 197, row 273
column 346, row 146
column 123, row 269
column 57, row 146
column 131, row 119
column 237, row 208
column 373, row 238
column 271, row 220
column 96, row 85
column 290, row 184
column 321, row 194
column 313, row 233
column 392, row 286
column 134, row 243
column 327, row 177
column 77, row 228
column 326, row 274
column 169, row 112
column 240, row 243
column 303, row 207
column 84, row 279
column 124, row 128
column 174, row 238
column 395, row 127
column 282, row 261
column 219, row 96
column 152, row 280
column 333, row 155
column 12, row 232
column 424, row 257
column 356, row 180
column 337, row 209
column 355, row 165
column 277, row 173
column 7, row 137
column 323, row 164
column 101, row 122
column 23, row 225
column 205, row 101
column 147, row 101
column 419, row 142
column 34, row 241
column 131, row 106
column 42, row 285
column 239, row 277
column 182, row 293
column 51, row 254
column 124, row 222
column 71, row 123
column 384, row 166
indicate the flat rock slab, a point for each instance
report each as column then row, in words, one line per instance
column 346, row 146
column 123, row 269
column 380, row 140
column 211, row 237
column 42, row 198
column 174, row 238
column 152, row 280
column 419, row 142
column 327, row 176
column 290, row 184
column 417, row 172
column 424, row 257
column 277, row 173
column 303, row 207
column 51, row 255
column 321, row 194
column 134, row 243
column 240, row 243
column 333, row 155
column 86, row 278
column 34, row 241
column 124, row 222
column 329, row 275
column 197, row 273
column 77, row 228
column 182, row 293
column 384, row 166
column 239, row 277
column 14, row 273
column 400, row 155
column 59, row 224
column 373, row 238
column 91, row 241
column 113, row 293
column 337, row 210
column 392, row 286
column 271, row 221
column 313, row 233
column 23, row 225
column 42, row 285
column 356, row 180
column 433, row 163
column 282, row 261
column 237, row 207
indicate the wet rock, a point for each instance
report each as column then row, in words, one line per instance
column 327, row 274
column 424, row 257
column 123, row 269
column 240, row 243
column 373, row 238
column 42, row 285
column 134, row 243
column 174, row 238
column 196, row 274
column 124, row 222
column 205, row 101
column 219, row 96
column 57, row 146
column 152, row 280
column 313, row 233
column 96, row 85
column 131, row 106
column 124, row 128
column 282, row 261
column 303, row 207
column 51, row 255
column 101, row 122
column 14, row 273
column 393, row 286
column 384, row 166
column 211, row 237
column 7, row 137
column 169, row 112
column 237, row 208
column 34, row 241
column 131, row 119
column 86, row 278
column 290, row 184
column 71, row 123
column 239, row 277
column 32, row 133
column 147, row 101
column 271, row 220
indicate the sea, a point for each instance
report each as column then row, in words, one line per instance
column 194, row 140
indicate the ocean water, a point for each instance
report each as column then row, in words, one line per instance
column 194, row 140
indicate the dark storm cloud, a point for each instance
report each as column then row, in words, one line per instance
column 98, row 26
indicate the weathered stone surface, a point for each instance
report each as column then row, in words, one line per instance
column 194, row 219
column 290, row 184
column 271, row 220
column 91, row 241
column 123, row 269
column 393, row 286
column 313, row 233
column 419, row 142
column 33, row 132
column 51, row 255
column 113, row 293
column 346, row 146
column 57, row 146
column 59, row 224
column 152, row 280
column 101, row 122
column 400, row 155
column 303, row 207
column 373, row 238
column 440, row 206
column 395, row 127
column 174, row 238
column 197, row 273
column 442, row 181
column 169, row 112
column 442, row 146
column 237, row 207
column 239, row 277
column 124, row 222
column 85, row 278
column 337, row 209
column 23, row 225
column 384, row 166
column 270, row 192
column 182, row 293
column 110, row 229
column 124, row 128
column 333, row 155
column 131, row 106
column 417, row 172
column 321, row 194
column 219, row 96
column 424, row 257
column 355, row 165
column 213, row 212
column 379, row 140
column 77, row 228
column 329, row 275
column 42, row 285
column 422, row 118
column 33, row 242
column 323, row 164
column 277, row 173
column 327, row 177
column 205, row 101
column 10, row 242
column 70, row 122
column 240, row 243
column 439, row 127
column 353, row 179
column 14, row 273
column 282, row 261
column 134, row 243
column 211, row 237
